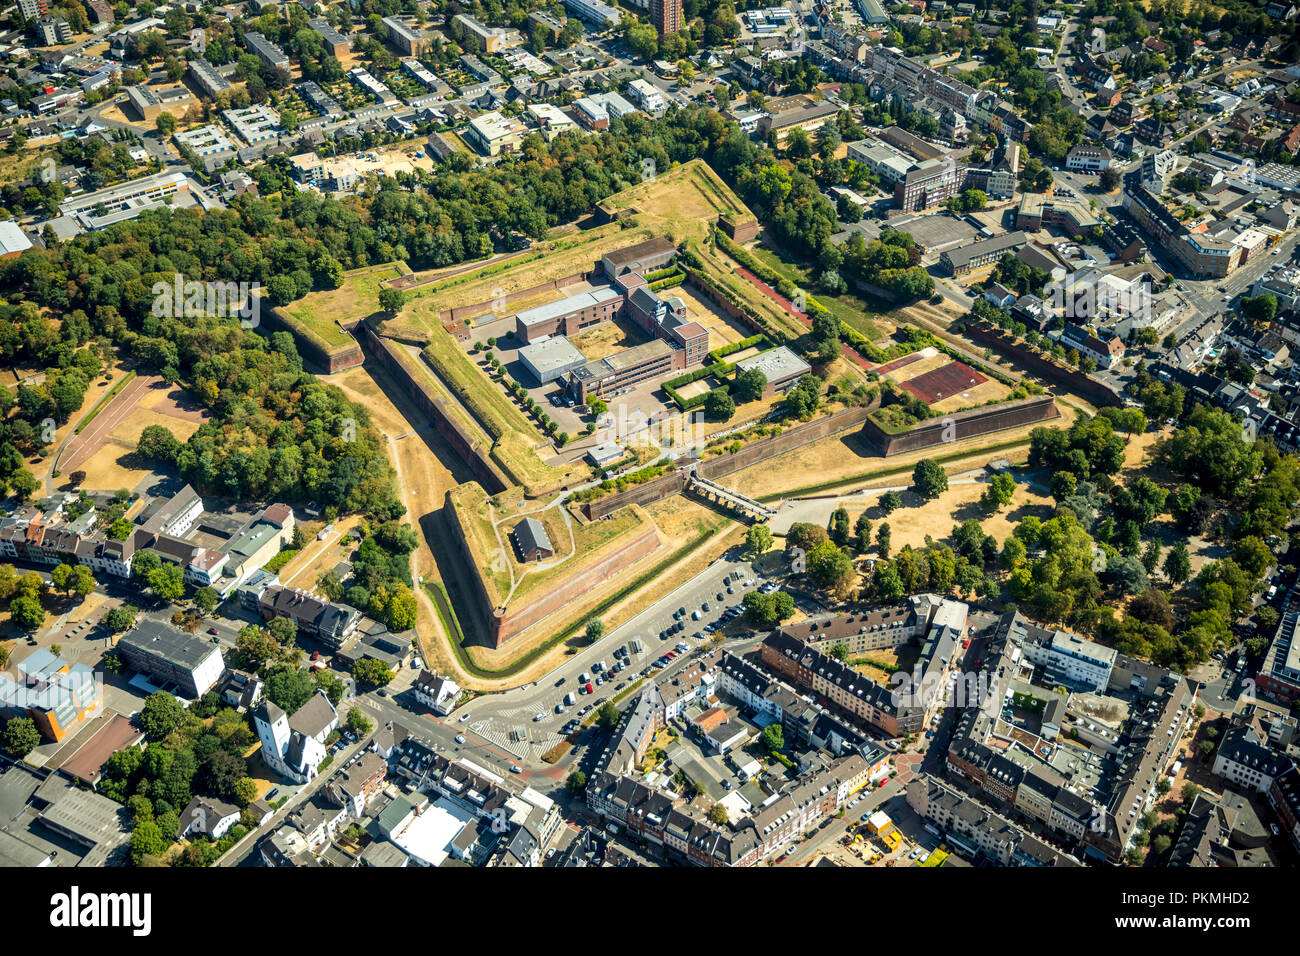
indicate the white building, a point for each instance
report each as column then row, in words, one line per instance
column 436, row 692
column 647, row 96
column 295, row 746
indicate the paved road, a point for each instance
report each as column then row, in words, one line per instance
column 244, row 852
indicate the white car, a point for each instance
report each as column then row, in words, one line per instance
column 537, row 717
column 463, row 718
column 460, row 738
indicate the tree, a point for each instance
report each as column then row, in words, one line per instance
column 595, row 629
column 21, row 737
column 1109, row 179
column 82, row 581
column 391, row 300
column 257, row 645
column 758, row 540
column 806, row 536
column 289, row 687
column 206, row 599
column 830, row 566
column 167, row 581
column 147, row 840
column 221, row 773
column 890, row 501
column 773, row 738
column 60, row 576
column 26, row 613
column 161, row 714
column 719, row 406
column 283, row 630
column 839, row 528
column 607, row 716
column 718, row 815
column 862, row 533
column 358, row 722
column 576, row 782
column 883, row 536
column 120, row 618
column 767, row 610
column 749, row 386
column 245, row 792
column 840, row 651
column 1178, row 563
column 1001, row 489
column 370, row 673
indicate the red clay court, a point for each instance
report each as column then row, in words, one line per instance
column 898, row 363
column 943, row 382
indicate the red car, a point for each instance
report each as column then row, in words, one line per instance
column 315, row 655
column 212, row 630
column 589, row 689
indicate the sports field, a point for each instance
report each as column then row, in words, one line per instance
column 941, row 382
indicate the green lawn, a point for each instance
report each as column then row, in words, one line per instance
column 320, row 312
column 848, row 308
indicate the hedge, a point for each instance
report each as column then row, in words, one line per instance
column 720, row 369
column 762, row 339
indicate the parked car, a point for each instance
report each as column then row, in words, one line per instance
column 460, row 738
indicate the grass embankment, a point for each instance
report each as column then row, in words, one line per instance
column 895, row 470
column 103, row 401
column 317, row 315
column 514, row 667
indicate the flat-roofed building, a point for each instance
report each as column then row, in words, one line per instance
column 550, row 358
column 1038, row 210
column 205, row 140
column 378, row 90
column 551, row 120
column 194, row 664
column 254, row 124
column 623, row 370
column 143, row 103
column 780, row 366
column 642, row 257
column 319, row 100
column 882, row 159
column 795, row 112
column 599, row 15
column 977, row 255
column 647, row 96
column 493, row 133
column 929, row 183
column 479, row 36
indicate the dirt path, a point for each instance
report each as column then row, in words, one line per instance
column 423, row 480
